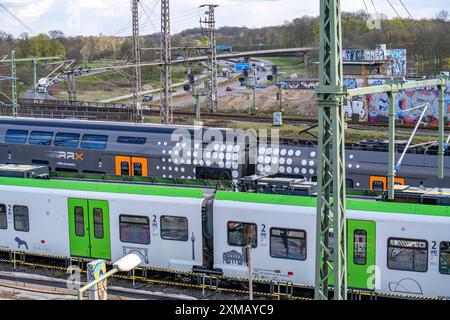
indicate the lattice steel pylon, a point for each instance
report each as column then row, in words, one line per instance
column 331, row 255
column 166, row 110
column 137, row 78
column 15, row 105
column 212, row 87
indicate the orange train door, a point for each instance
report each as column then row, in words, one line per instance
column 381, row 183
column 131, row 166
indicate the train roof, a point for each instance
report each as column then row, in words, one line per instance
column 357, row 205
column 104, row 187
column 99, row 125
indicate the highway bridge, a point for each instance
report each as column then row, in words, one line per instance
column 225, row 56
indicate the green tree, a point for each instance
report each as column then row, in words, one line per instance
column 44, row 46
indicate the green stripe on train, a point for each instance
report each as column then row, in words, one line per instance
column 104, row 187
column 359, row 205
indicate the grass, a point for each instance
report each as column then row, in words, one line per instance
column 292, row 131
column 290, row 65
column 108, row 85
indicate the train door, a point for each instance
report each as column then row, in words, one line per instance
column 131, row 166
column 381, row 183
column 361, row 254
column 89, row 228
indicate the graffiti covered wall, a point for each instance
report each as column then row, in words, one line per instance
column 378, row 105
column 395, row 59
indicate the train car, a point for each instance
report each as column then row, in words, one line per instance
column 393, row 248
column 148, row 150
column 366, row 164
column 398, row 248
column 124, row 149
column 103, row 220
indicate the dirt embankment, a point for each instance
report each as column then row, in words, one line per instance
column 295, row 102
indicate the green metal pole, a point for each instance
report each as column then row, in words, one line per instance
column 254, row 99
column 34, row 77
column 14, row 84
column 280, row 90
column 391, row 174
column 441, row 152
column 331, row 217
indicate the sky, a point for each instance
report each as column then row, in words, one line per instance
column 113, row 17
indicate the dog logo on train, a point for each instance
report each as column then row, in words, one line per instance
column 21, row 243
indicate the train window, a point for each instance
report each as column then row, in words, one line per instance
column 349, row 184
column 16, row 136
column 288, row 244
column 137, row 168
column 41, row 138
column 68, row 140
column 360, row 247
column 378, row 186
column 134, row 229
column 444, row 261
column 125, row 168
column 131, row 140
column 174, row 228
column 242, row 234
column 91, row 141
column 3, row 217
column 408, row 255
column 79, row 221
column 98, row 223
column 21, row 218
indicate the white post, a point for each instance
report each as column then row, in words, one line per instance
column 248, row 250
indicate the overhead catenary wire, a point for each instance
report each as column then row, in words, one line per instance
column 17, row 19
column 370, row 15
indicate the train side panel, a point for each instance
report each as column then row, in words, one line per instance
column 410, row 255
column 36, row 221
column 173, row 228
column 284, row 245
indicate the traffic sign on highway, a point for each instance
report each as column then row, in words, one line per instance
column 242, row 67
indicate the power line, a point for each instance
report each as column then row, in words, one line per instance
column 378, row 16
column 17, row 19
column 370, row 15
column 409, row 13
column 395, row 10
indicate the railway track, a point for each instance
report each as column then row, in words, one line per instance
column 288, row 120
column 205, row 285
column 119, row 113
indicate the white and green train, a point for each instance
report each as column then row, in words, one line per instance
column 396, row 247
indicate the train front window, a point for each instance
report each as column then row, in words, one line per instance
column 174, row 228
column 16, row 136
column 134, row 229
column 360, row 247
column 3, row 217
column 444, row 260
column 288, row 244
column 41, row 138
column 79, row 221
column 67, row 140
column 21, row 218
column 91, row 141
column 98, row 223
column 408, row 255
column 242, row 234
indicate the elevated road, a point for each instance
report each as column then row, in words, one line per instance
column 225, row 56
